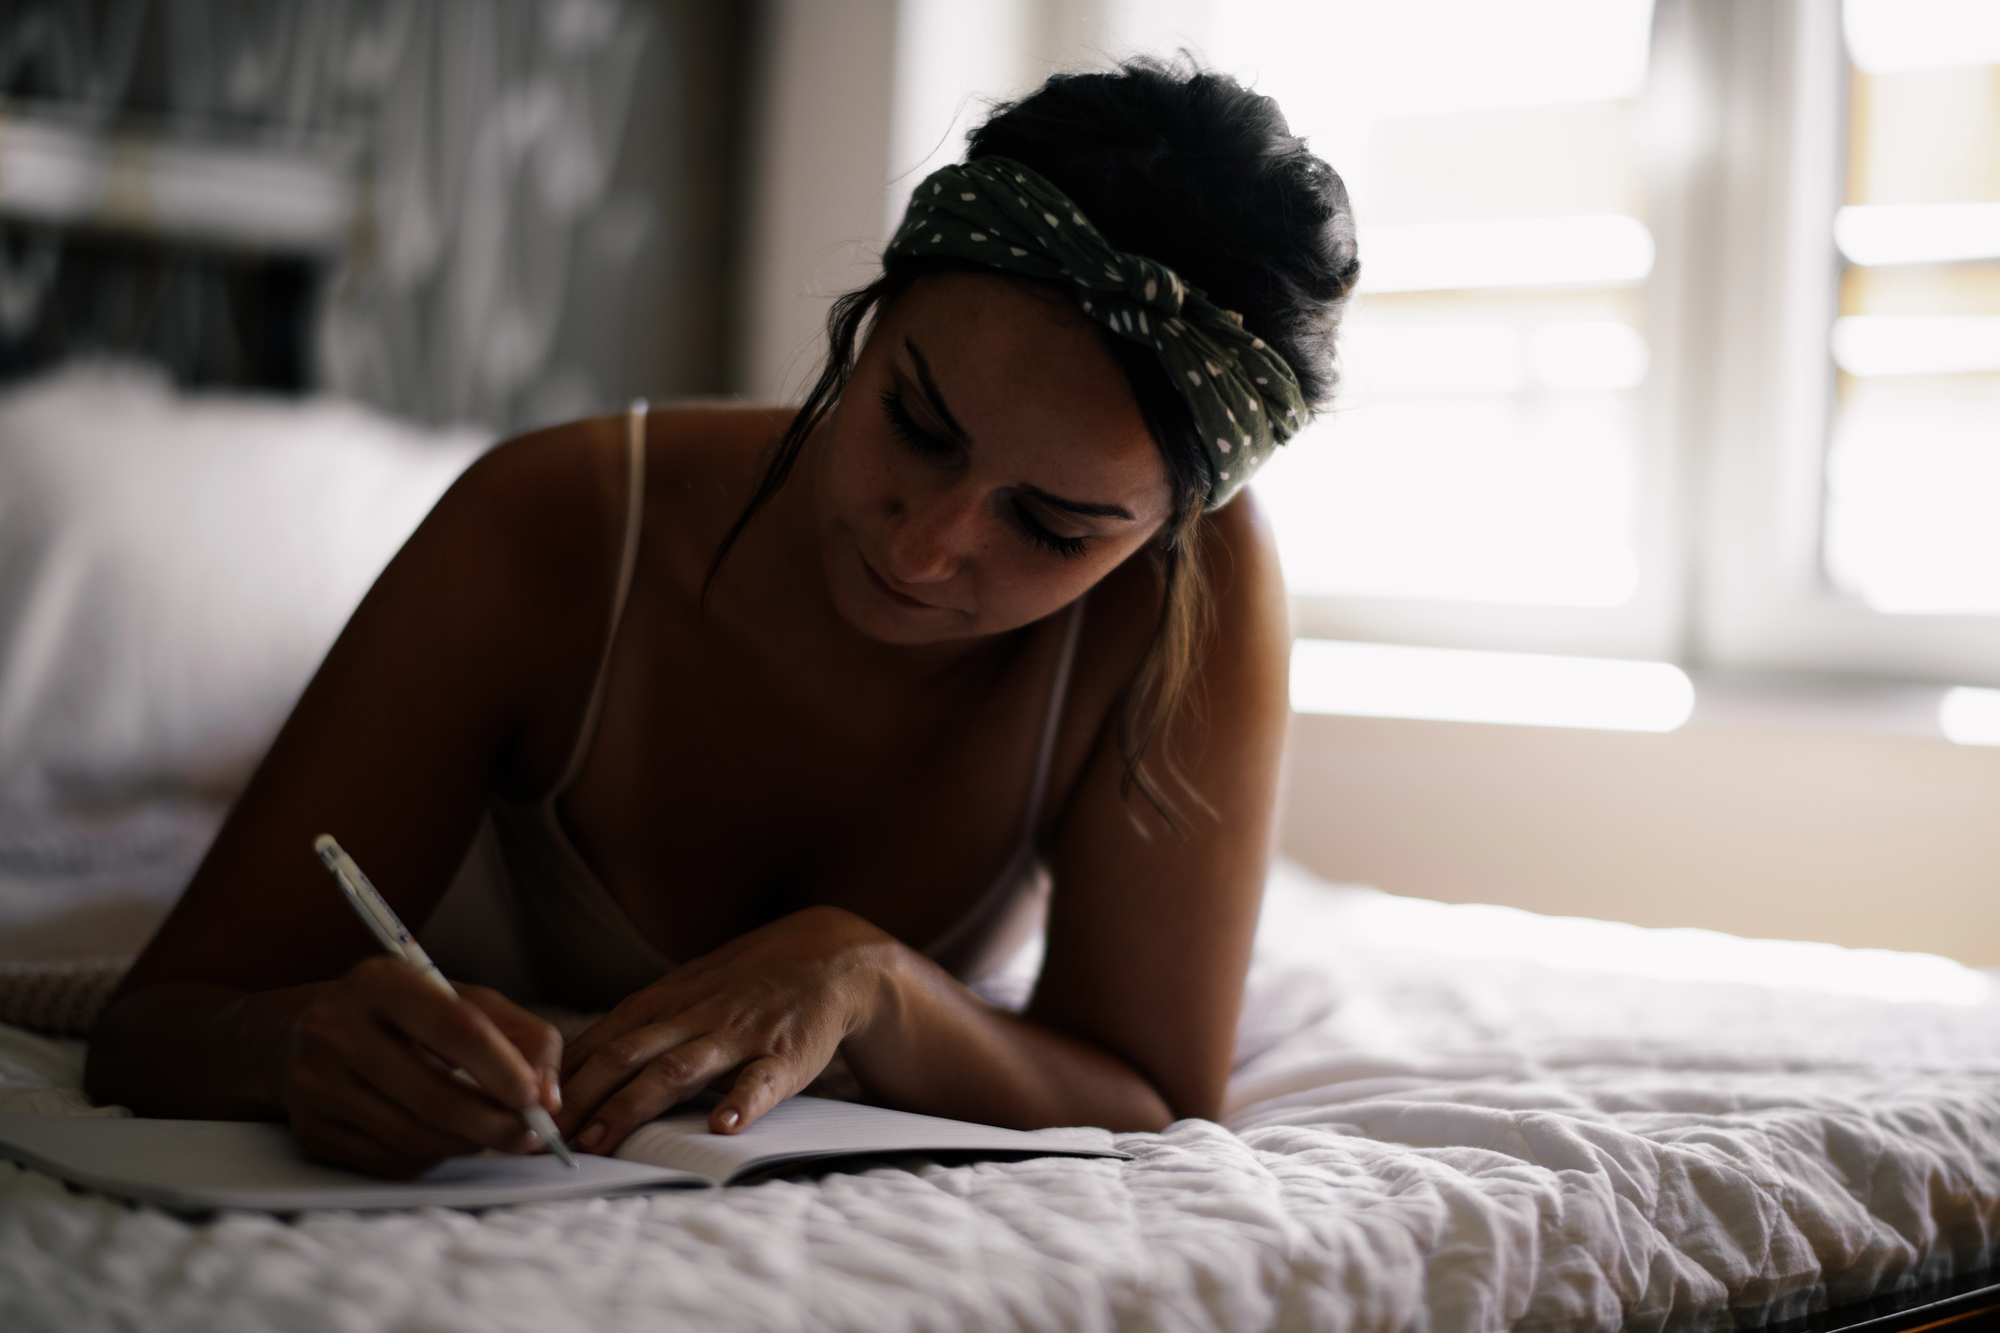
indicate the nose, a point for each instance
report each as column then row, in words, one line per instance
column 930, row 538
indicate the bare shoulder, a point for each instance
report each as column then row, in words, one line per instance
column 539, row 518
column 1240, row 550
column 540, row 500
column 705, row 459
column 560, row 481
column 691, row 431
column 1250, row 615
column 1242, row 593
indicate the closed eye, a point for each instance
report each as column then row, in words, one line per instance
column 1038, row 532
column 927, row 445
column 904, row 425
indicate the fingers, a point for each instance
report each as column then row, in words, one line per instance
column 585, row 1044
column 338, row 1116
column 423, row 1088
column 633, row 1013
column 457, row 1031
column 619, row 1060
column 371, row 1081
column 664, row 1081
column 536, row 1039
column 348, row 1044
column 761, row 1085
column 343, row 1145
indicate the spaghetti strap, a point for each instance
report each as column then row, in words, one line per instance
column 1038, row 787
column 577, row 943
column 628, row 561
column 1019, row 874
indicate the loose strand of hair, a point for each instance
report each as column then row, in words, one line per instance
column 843, row 324
column 1162, row 683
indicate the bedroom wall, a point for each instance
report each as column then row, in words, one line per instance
column 853, row 103
column 1822, row 831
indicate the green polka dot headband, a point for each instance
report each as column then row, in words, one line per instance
column 995, row 211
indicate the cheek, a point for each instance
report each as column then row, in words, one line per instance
column 1023, row 583
column 857, row 478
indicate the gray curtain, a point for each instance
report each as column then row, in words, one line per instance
column 486, row 136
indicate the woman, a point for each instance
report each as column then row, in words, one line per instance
column 765, row 717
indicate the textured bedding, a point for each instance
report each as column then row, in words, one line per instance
column 1445, row 1118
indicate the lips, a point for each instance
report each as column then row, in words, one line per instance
column 883, row 586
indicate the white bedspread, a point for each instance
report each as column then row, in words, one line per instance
column 1446, row 1119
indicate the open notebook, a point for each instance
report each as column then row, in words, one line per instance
column 198, row 1166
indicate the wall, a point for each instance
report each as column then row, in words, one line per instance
column 671, row 309
column 1877, row 840
column 855, row 102
column 822, row 135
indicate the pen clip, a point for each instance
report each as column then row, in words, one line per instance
column 367, row 900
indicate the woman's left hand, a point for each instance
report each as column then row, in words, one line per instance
column 773, row 1005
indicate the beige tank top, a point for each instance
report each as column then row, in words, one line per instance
column 527, row 915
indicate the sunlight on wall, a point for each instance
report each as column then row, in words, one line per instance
column 1454, row 685
column 1574, row 944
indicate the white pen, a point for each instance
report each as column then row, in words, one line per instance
column 396, row 938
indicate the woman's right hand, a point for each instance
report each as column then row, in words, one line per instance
column 368, row 1083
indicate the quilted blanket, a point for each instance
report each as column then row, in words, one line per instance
column 1444, row 1118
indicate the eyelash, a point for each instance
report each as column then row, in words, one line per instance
column 927, row 445
column 1066, row 547
column 905, row 425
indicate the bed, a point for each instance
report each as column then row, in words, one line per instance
column 1446, row 1118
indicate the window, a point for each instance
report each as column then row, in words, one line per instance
column 1913, row 473
column 1679, row 332
column 1487, row 449
column 1832, row 534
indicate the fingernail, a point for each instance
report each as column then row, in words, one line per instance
column 730, row 1120
column 590, row 1138
column 552, row 1093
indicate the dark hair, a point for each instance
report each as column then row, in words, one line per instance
column 1190, row 168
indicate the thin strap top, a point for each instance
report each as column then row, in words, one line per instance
column 628, row 562
column 579, row 945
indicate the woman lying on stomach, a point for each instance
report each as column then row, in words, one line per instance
column 768, row 718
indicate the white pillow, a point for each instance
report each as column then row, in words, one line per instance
column 173, row 567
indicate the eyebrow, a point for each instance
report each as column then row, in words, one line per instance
column 928, row 384
column 1083, row 507
column 936, row 399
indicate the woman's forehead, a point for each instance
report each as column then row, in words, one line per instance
column 1001, row 343
column 1018, row 358
column 992, row 303
column 1024, row 342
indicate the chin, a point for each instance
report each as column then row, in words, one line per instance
column 865, row 610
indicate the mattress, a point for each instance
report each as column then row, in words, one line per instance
column 1444, row 1118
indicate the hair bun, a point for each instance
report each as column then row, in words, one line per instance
column 1190, row 168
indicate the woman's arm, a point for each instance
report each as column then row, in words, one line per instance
column 1134, row 1021
column 459, row 671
